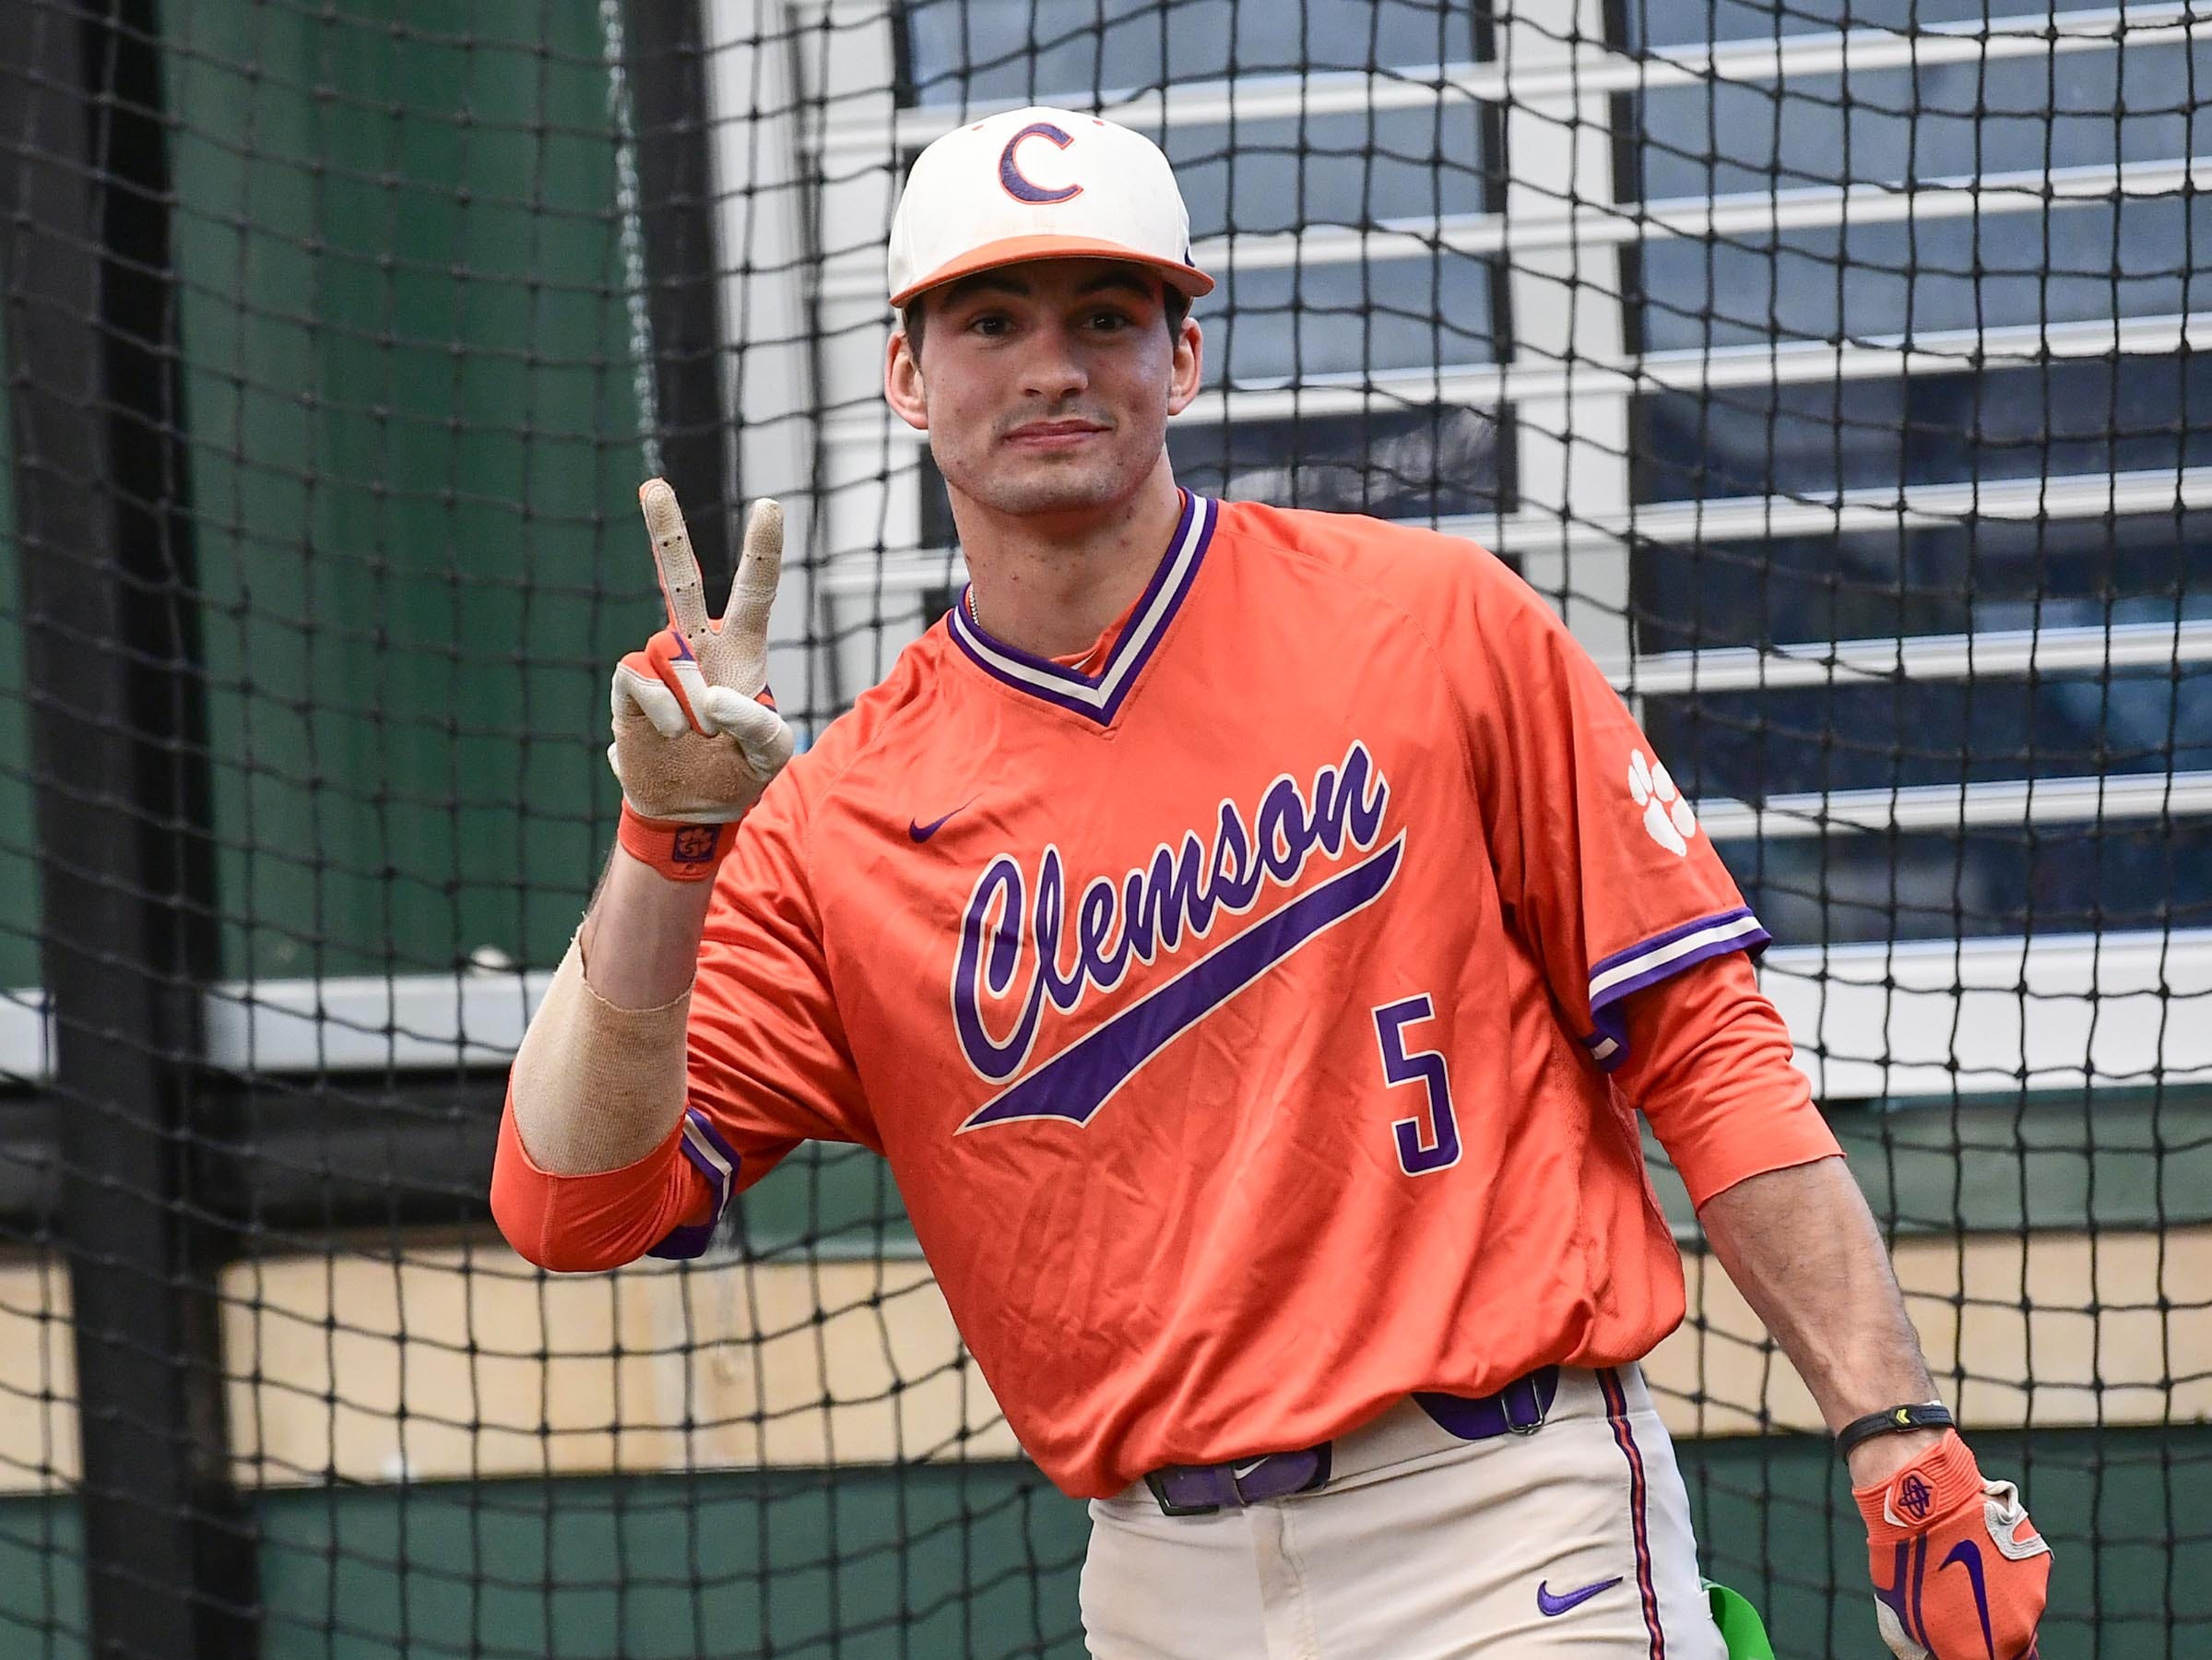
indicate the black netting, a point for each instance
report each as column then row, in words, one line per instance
column 1833, row 369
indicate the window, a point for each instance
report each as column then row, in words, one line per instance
column 2140, row 570
column 1905, row 734
column 2007, row 881
column 1659, row 23
column 2093, row 416
column 1947, row 120
column 970, row 52
column 1919, row 591
column 1339, row 167
column 1351, row 320
column 1981, row 269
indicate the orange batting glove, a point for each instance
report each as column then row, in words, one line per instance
column 1959, row 1571
column 696, row 736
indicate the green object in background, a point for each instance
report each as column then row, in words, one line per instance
column 412, row 432
column 19, row 873
column 981, row 1561
column 1740, row 1625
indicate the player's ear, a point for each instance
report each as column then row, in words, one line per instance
column 903, row 387
column 1184, row 374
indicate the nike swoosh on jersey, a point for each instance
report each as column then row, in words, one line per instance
column 922, row 833
column 1548, row 1605
column 1083, row 1077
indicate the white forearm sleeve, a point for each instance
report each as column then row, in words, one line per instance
column 595, row 1087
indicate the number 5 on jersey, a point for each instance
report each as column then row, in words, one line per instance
column 1435, row 1145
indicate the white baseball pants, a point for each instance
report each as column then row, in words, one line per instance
column 1572, row 1540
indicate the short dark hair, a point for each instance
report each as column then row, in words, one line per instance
column 1174, row 304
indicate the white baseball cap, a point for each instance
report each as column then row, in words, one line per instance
column 1039, row 184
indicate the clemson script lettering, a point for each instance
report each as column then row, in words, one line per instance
column 1012, row 945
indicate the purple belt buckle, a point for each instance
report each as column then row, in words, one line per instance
column 1520, row 1408
column 1201, row 1490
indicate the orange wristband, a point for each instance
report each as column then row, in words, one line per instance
column 680, row 852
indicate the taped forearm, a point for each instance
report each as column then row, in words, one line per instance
column 595, row 1087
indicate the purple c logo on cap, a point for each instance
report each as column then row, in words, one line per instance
column 1010, row 175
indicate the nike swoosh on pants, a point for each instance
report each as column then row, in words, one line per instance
column 1549, row 1605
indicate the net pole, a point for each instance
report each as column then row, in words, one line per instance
column 614, row 49
column 118, row 744
column 658, row 89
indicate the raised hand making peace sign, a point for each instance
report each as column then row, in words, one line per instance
column 696, row 736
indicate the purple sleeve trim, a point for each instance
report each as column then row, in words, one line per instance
column 1607, row 1050
column 716, row 1160
column 705, row 1126
column 1655, row 959
column 686, row 1242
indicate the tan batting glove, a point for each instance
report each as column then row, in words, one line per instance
column 696, row 736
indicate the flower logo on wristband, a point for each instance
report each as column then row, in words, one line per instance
column 694, row 844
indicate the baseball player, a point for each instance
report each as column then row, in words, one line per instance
column 1249, row 936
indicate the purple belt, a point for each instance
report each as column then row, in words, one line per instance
column 1517, row 1409
column 1201, row 1490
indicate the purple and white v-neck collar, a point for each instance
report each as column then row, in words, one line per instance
column 1098, row 697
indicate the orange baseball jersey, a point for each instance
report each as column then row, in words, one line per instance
column 1235, row 1005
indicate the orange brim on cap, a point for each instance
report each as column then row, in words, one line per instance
column 1015, row 250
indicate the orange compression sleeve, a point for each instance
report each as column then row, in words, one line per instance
column 1708, row 1064
column 581, row 1224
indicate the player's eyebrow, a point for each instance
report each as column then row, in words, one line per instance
column 985, row 282
column 1116, row 278
column 1122, row 277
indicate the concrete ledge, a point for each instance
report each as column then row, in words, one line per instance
column 458, row 1361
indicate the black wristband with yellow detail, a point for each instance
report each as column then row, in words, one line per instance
column 1893, row 1420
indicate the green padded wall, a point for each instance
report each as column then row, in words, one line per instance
column 41, row 1580
column 666, row 1569
column 413, row 442
column 982, row 1559
column 18, row 876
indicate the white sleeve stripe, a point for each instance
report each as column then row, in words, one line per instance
column 1659, row 956
column 701, row 1147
